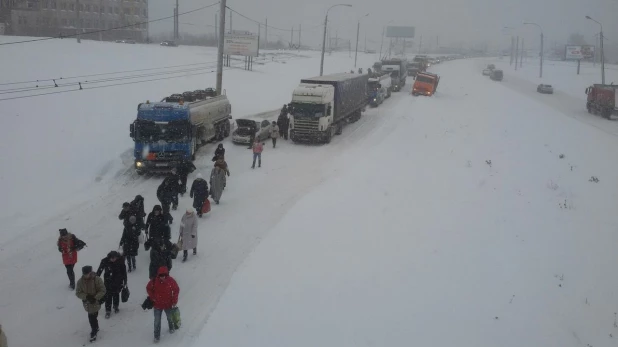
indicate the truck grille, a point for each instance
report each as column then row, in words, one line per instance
column 173, row 156
column 306, row 124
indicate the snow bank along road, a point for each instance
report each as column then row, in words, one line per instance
column 454, row 222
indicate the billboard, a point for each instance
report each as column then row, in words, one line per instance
column 245, row 45
column 579, row 52
column 407, row 32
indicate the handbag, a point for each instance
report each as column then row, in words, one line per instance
column 124, row 294
column 206, row 206
column 176, row 318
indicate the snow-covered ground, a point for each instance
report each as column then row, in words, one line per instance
column 434, row 221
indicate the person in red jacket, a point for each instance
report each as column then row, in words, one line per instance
column 69, row 245
column 163, row 291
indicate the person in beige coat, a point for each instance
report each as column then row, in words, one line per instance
column 188, row 233
column 3, row 339
column 91, row 289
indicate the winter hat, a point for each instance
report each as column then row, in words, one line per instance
column 113, row 254
column 125, row 204
column 190, row 210
column 220, row 145
column 199, row 175
column 139, row 197
column 86, row 270
column 156, row 208
column 132, row 219
column 63, row 232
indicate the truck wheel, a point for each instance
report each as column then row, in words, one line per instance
column 226, row 131
column 139, row 172
column 329, row 136
column 589, row 110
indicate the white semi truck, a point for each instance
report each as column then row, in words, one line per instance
column 322, row 105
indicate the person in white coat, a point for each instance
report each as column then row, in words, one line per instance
column 188, row 233
column 274, row 133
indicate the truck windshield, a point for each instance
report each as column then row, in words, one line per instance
column 151, row 132
column 424, row 79
column 372, row 87
column 307, row 110
column 395, row 74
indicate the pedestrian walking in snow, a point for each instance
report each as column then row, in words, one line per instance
column 199, row 193
column 156, row 225
column 163, row 291
column 160, row 255
column 284, row 122
column 125, row 213
column 167, row 193
column 222, row 164
column 184, row 169
column 3, row 340
column 188, row 233
column 258, row 147
column 274, row 133
column 130, row 242
column 217, row 183
column 115, row 278
column 136, row 208
column 90, row 289
column 219, row 152
column 68, row 244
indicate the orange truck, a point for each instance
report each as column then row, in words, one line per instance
column 425, row 84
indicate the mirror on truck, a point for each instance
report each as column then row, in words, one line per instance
column 132, row 130
column 587, row 91
column 328, row 110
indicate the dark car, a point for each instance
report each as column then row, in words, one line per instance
column 496, row 75
column 545, row 89
column 169, row 44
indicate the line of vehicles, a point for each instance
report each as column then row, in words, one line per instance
column 173, row 129
column 493, row 73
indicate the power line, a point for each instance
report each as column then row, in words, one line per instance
column 269, row 26
column 102, row 74
column 117, row 84
column 110, row 29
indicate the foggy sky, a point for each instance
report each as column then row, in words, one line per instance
column 456, row 22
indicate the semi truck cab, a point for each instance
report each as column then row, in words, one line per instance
column 311, row 109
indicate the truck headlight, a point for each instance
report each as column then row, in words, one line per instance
column 139, row 164
column 374, row 99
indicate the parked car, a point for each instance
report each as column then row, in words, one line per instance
column 496, row 75
column 545, row 89
column 486, row 72
column 129, row 41
column 169, row 44
column 491, row 67
column 245, row 128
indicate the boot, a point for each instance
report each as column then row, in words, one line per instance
column 107, row 314
column 116, row 310
column 194, row 251
column 72, row 286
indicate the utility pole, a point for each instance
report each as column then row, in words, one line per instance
column 516, row 52
column 420, row 45
column 438, row 41
column 177, row 28
column 602, row 38
column 299, row 30
column 230, row 22
column 512, row 51
column 292, row 37
column 266, row 30
column 365, row 42
column 381, row 44
column 100, row 20
column 521, row 58
column 259, row 33
column 78, row 24
column 220, row 46
column 356, row 53
column 216, row 28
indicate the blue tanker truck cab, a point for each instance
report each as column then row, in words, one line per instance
column 163, row 135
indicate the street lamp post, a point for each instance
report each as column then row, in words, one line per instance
column 602, row 53
column 541, row 53
column 382, row 41
column 324, row 37
column 357, row 33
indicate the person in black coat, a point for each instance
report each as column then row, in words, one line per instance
column 160, row 255
column 199, row 193
column 115, row 279
column 184, row 169
column 130, row 241
column 284, row 122
column 136, row 208
column 167, row 193
column 219, row 152
column 157, row 226
column 125, row 213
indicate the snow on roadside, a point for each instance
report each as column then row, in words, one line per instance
column 66, row 143
column 456, row 224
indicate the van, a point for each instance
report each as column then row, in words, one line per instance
column 496, row 75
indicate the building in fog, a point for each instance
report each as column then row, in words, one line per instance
column 64, row 17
